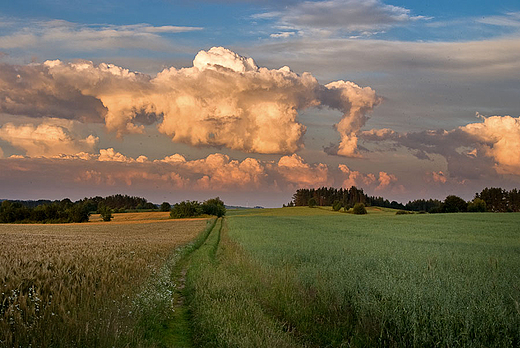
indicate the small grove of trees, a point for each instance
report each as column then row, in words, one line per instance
column 187, row 209
column 328, row 196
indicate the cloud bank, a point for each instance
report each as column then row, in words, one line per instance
column 215, row 173
column 481, row 149
column 223, row 100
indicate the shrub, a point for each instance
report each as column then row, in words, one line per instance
column 337, row 205
column 402, row 212
column 359, row 208
column 312, row 202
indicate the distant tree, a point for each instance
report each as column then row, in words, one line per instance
column 186, row 209
column 165, row 206
column 478, row 205
column 359, row 208
column 337, row 205
column 79, row 213
column 214, row 206
column 105, row 212
column 312, row 202
column 454, row 204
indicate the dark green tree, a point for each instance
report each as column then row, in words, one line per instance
column 312, row 202
column 454, row 204
column 214, row 206
column 165, row 206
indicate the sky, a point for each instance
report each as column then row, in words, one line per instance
column 251, row 100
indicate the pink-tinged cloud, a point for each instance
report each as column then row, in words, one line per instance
column 295, row 171
column 224, row 99
column 436, row 177
column 481, row 149
column 385, row 180
column 357, row 102
column 45, row 139
column 498, row 138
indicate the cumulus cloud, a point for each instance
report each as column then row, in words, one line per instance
column 435, row 177
column 296, row 171
column 223, row 100
column 472, row 151
column 341, row 16
column 383, row 181
column 358, row 101
column 45, row 139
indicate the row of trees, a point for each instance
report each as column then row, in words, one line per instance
column 330, row 196
column 490, row 199
column 186, row 209
column 56, row 212
column 66, row 211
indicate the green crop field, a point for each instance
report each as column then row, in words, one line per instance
column 302, row 277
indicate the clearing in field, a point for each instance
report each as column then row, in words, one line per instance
column 89, row 285
column 302, row 277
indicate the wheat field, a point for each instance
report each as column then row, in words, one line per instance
column 77, row 284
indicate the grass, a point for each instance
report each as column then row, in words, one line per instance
column 88, row 285
column 314, row 277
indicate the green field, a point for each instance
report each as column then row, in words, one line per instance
column 302, row 277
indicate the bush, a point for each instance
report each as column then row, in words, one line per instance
column 337, row 205
column 359, row 208
column 312, row 202
column 402, row 212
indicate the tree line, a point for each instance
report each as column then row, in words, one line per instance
column 489, row 199
column 66, row 211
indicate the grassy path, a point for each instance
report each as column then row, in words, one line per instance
column 173, row 329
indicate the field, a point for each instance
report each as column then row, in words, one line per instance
column 90, row 284
column 291, row 277
column 301, row 277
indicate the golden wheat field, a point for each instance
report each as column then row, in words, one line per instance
column 77, row 284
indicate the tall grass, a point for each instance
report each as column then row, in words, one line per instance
column 84, row 285
column 328, row 279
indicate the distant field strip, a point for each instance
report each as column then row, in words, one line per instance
column 88, row 285
column 301, row 277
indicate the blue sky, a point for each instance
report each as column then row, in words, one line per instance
column 439, row 81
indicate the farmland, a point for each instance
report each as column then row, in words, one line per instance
column 291, row 277
column 91, row 284
column 301, row 277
